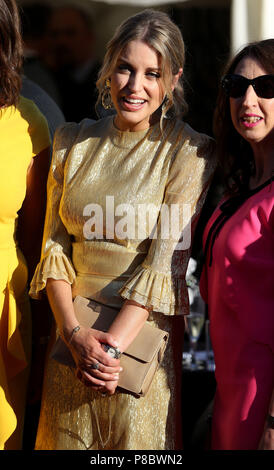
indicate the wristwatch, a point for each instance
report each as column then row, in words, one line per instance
column 112, row 351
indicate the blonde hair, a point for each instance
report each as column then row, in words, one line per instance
column 158, row 31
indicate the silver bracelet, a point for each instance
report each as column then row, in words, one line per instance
column 75, row 330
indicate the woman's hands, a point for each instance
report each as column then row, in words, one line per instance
column 89, row 352
column 86, row 344
column 94, row 367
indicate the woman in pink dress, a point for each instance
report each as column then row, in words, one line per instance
column 237, row 279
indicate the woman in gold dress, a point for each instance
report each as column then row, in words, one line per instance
column 143, row 156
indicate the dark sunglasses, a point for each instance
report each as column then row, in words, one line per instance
column 235, row 86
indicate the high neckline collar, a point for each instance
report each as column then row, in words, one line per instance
column 128, row 138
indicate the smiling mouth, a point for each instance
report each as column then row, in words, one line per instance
column 251, row 119
column 133, row 101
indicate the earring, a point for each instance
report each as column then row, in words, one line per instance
column 106, row 96
column 167, row 108
column 165, row 105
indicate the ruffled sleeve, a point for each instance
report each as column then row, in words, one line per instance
column 159, row 282
column 56, row 247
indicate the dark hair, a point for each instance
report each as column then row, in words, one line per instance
column 11, row 53
column 234, row 153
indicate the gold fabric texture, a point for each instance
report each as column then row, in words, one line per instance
column 94, row 163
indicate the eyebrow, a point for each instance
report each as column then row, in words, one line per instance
column 126, row 62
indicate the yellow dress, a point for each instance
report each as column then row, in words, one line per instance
column 24, row 134
column 97, row 169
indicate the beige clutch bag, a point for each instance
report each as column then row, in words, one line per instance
column 141, row 359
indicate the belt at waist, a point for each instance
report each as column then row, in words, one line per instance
column 102, row 268
column 105, row 259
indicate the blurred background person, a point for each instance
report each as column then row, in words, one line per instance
column 73, row 61
column 41, row 312
column 237, row 279
column 42, row 90
column 34, row 20
column 25, row 156
column 44, row 103
column 38, row 83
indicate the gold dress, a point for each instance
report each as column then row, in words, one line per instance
column 111, row 256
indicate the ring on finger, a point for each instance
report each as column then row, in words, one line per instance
column 94, row 365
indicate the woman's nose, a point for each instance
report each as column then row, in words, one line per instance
column 250, row 97
column 135, row 82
